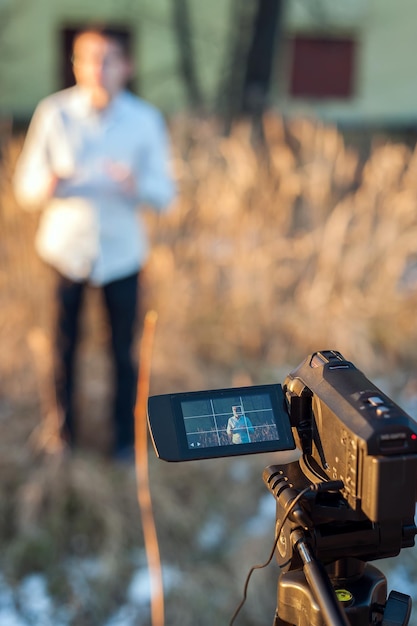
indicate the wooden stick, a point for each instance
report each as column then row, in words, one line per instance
column 142, row 471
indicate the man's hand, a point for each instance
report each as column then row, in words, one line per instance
column 121, row 174
column 53, row 181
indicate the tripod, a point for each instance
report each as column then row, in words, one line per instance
column 323, row 547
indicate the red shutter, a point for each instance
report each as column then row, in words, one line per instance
column 322, row 67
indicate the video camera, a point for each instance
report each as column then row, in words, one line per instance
column 357, row 474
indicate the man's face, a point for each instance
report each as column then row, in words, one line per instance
column 99, row 64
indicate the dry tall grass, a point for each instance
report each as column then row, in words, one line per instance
column 268, row 255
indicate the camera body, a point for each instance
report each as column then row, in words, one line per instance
column 346, row 428
column 355, row 434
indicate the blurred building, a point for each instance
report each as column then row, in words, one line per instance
column 348, row 61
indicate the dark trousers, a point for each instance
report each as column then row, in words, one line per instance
column 120, row 299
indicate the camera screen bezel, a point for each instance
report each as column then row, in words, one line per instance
column 168, row 430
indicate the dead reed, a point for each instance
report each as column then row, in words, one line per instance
column 271, row 254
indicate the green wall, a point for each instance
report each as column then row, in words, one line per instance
column 31, row 50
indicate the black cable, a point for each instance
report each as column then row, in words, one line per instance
column 278, row 533
column 331, row 485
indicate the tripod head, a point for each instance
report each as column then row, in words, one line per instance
column 323, row 549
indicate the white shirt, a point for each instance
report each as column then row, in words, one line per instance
column 91, row 229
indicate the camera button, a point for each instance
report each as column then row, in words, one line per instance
column 383, row 411
column 375, row 400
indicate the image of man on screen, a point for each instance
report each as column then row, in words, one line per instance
column 239, row 427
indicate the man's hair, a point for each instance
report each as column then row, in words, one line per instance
column 120, row 35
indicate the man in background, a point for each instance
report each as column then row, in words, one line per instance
column 239, row 427
column 93, row 154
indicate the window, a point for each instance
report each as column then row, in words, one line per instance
column 322, row 67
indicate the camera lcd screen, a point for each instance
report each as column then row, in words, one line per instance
column 221, row 422
column 229, row 421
